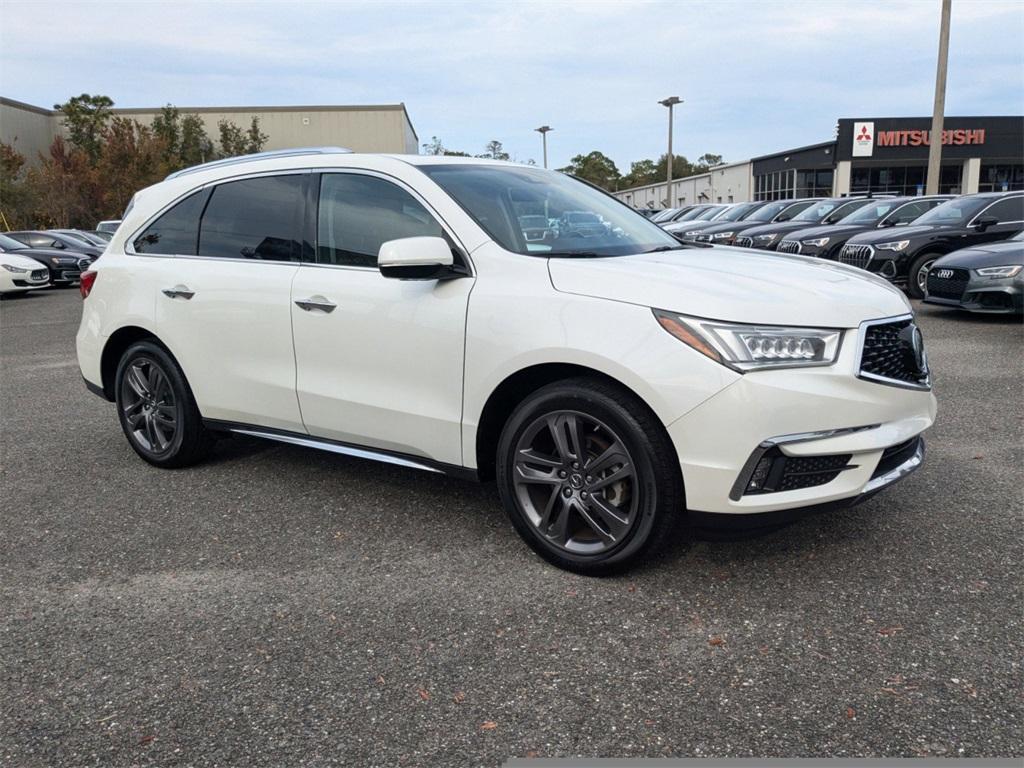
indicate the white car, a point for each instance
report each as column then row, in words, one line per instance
column 20, row 273
column 391, row 308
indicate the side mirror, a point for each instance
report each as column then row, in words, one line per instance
column 416, row 258
column 985, row 222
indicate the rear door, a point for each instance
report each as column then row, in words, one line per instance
column 223, row 296
column 380, row 360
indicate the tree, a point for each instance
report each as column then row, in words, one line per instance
column 255, row 138
column 708, row 160
column 195, row 146
column 167, row 126
column 495, row 151
column 596, row 168
column 232, row 139
column 640, row 173
column 85, row 117
column 13, row 195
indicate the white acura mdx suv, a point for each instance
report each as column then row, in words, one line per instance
column 613, row 382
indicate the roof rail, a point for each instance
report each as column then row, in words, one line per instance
column 297, row 151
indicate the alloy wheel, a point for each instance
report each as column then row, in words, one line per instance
column 922, row 275
column 148, row 405
column 576, row 481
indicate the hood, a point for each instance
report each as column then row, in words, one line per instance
column 735, row 284
column 45, row 254
column 834, row 231
column 15, row 259
column 782, row 227
column 888, row 234
column 730, row 226
column 1002, row 254
column 686, row 226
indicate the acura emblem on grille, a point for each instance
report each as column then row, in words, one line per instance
column 944, row 274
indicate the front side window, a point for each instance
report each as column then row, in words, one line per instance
column 257, row 218
column 588, row 222
column 177, row 230
column 907, row 213
column 359, row 213
column 870, row 213
column 1009, row 210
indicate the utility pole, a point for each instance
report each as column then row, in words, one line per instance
column 670, row 102
column 543, row 131
column 938, row 111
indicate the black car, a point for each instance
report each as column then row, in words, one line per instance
column 64, row 266
column 689, row 213
column 982, row 278
column 56, row 241
column 649, row 213
column 822, row 212
column 904, row 256
column 88, row 238
column 726, row 233
column 688, row 231
column 827, row 241
column 581, row 224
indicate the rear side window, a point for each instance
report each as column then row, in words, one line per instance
column 1011, row 209
column 359, row 213
column 177, row 231
column 254, row 219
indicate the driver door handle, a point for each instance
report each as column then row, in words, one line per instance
column 178, row 292
column 316, row 304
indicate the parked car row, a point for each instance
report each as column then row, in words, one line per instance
column 38, row 258
column 901, row 239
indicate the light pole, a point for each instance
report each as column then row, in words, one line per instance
column 935, row 139
column 670, row 102
column 543, row 131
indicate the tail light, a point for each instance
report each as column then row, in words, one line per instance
column 86, row 282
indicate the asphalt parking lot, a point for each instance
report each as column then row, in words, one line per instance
column 280, row 606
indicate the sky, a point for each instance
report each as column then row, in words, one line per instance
column 755, row 77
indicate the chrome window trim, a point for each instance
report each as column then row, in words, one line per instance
column 862, row 332
column 995, row 202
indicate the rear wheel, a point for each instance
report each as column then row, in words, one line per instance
column 156, row 409
column 588, row 476
column 917, row 275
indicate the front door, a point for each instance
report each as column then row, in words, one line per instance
column 379, row 361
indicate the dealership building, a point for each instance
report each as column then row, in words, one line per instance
column 364, row 128
column 878, row 155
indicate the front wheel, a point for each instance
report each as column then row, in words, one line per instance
column 589, row 477
column 156, row 409
column 917, row 275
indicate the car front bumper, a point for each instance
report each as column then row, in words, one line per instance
column 811, row 415
column 983, row 294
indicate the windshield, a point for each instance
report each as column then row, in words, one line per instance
column 693, row 213
column 768, row 212
column 737, row 212
column 666, row 214
column 10, row 244
column 817, row 212
column 870, row 214
column 952, row 212
column 590, row 222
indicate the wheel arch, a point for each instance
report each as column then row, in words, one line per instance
column 515, row 388
column 115, row 347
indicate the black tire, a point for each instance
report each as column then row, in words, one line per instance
column 164, row 426
column 922, row 263
column 651, row 500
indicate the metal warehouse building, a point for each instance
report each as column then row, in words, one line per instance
column 880, row 155
column 363, row 128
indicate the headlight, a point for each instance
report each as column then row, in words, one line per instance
column 818, row 242
column 895, row 245
column 15, row 270
column 765, row 239
column 691, row 233
column 752, row 347
column 1008, row 271
column 722, row 235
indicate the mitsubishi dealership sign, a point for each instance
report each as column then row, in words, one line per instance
column 863, row 139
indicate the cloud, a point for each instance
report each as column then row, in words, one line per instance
column 756, row 77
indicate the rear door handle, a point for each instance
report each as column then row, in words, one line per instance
column 178, row 292
column 316, row 304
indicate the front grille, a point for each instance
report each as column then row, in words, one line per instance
column 896, row 455
column 856, row 255
column 84, row 264
column 894, row 352
column 775, row 472
column 39, row 274
column 744, row 242
column 945, row 283
column 789, row 246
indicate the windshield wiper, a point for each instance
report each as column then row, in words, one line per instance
column 666, row 248
column 583, row 254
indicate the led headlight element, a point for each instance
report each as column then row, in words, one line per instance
column 765, row 239
column 753, row 347
column 722, row 235
column 1007, row 271
column 895, row 245
column 15, row 270
column 817, row 242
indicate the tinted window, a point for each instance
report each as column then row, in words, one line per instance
column 254, row 219
column 177, row 231
column 1011, row 209
column 911, row 211
column 359, row 213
